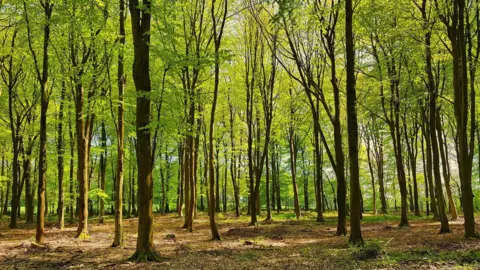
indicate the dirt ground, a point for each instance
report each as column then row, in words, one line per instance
column 284, row 243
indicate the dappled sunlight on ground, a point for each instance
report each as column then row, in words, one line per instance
column 284, row 243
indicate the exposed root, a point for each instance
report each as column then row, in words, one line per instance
column 474, row 236
column 35, row 244
column 216, row 238
column 117, row 243
column 341, row 231
column 82, row 235
column 148, row 256
column 444, row 231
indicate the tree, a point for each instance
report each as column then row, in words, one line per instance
column 218, row 27
column 455, row 24
column 141, row 23
column 355, row 191
column 118, row 240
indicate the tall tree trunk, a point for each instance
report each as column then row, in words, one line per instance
column 82, row 168
column 293, row 164
column 446, row 175
column 217, row 181
column 433, row 93
column 233, row 163
column 140, row 19
column 118, row 235
column 305, row 182
column 72, row 159
column 181, row 175
column 2, row 187
column 277, row 170
column 42, row 77
column 318, row 169
column 103, row 170
column 26, row 178
column 217, row 37
column 427, row 188
column 60, row 153
column 370, row 168
column 428, row 153
column 267, row 188
column 355, row 190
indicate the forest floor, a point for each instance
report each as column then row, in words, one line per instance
column 284, row 243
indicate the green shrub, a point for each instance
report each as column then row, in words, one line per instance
column 371, row 250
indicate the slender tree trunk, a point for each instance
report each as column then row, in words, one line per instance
column 305, row 182
column 318, row 170
column 267, row 188
column 380, row 175
column 355, row 190
column 42, row 77
column 2, row 187
column 103, row 170
column 217, row 181
column 60, row 153
column 277, row 170
column 460, row 86
column 339, row 155
column 433, row 92
column 425, row 176
column 118, row 235
column 27, row 167
column 233, row 163
column 72, row 159
column 372, row 175
column 181, row 180
column 211, row 162
column 428, row 152
column 293, row 165
column 446, row 175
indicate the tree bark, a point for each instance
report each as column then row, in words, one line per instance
column 60, row 159
column 118, row 235
column 352, row 125
column 140, row 20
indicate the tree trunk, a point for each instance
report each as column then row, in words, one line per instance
column 181, row 180
column 140, row 19
column 267, row 188
column 460, row 86
column 217, row 181
column 370, row 167
column 425, row 175
column 293, row 167
column 42, row 77
column 305, row 173
column 428, row 152
column 60, row 153
column 103, row 170
column 233, row 163
column 355, row 190
column 446, row 175
column 118, row 235
column 82, row 168
column 2, row 187
column 27, row 167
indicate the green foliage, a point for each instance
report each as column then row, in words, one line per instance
column 371, row 250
